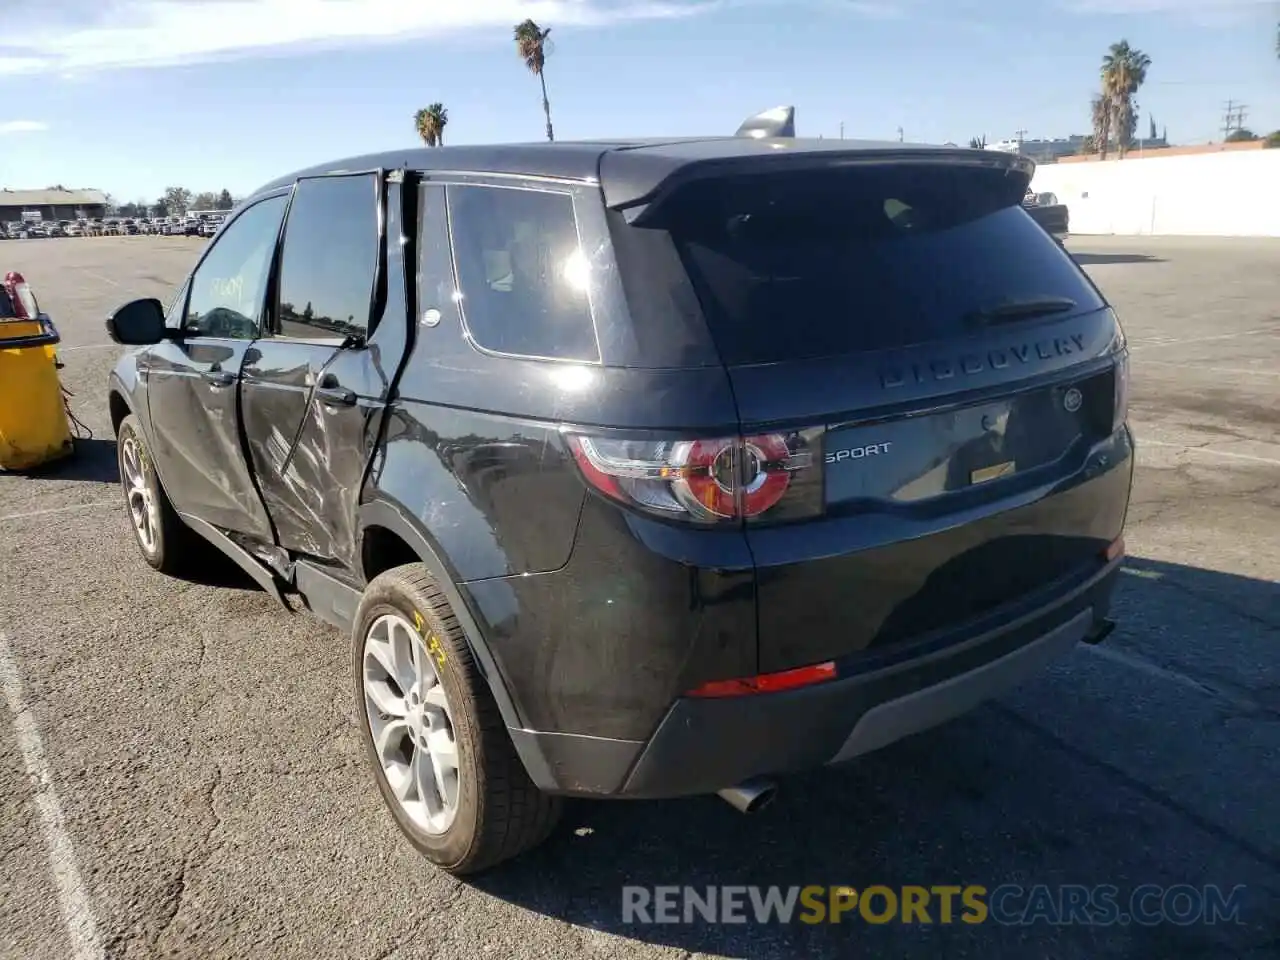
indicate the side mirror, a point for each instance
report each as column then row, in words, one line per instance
column 139, row 323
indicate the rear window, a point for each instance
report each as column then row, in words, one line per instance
column 827, row 263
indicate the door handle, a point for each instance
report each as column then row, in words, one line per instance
column 333, row 393
column 220, row 378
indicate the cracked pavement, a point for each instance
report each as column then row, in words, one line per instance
column 217, row 800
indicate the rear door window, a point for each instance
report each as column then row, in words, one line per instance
column 794, row 266
column 330, row 258
column 521, row 272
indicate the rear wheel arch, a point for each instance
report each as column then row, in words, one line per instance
column 387, row 540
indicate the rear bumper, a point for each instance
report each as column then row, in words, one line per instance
column 704, row 745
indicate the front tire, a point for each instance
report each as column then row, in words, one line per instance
column 440, row 752
column 164, row 541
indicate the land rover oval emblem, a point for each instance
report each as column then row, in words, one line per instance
column 1072, row 400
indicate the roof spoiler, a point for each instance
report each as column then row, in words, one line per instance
column 778, row 122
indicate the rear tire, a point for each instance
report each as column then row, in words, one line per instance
column 496, row 812
column 164, row 541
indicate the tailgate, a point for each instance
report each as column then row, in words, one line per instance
column 942, row 508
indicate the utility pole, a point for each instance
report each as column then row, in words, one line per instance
column 1021, row 135
column 899, row 134
column 841, row 129
column 1234, row 118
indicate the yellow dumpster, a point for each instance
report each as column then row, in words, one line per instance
column 33, row 415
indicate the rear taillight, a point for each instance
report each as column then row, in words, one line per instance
column 766, row 476
column 1120, row 405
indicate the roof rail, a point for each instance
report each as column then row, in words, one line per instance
column 778, row 122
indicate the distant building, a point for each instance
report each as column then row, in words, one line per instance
column 1051, row 151
column 52, row 204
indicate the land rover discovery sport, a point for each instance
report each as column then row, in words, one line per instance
column 640, row 469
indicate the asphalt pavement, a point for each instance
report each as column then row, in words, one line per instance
column 180, row 777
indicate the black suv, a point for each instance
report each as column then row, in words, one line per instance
column 640, row 469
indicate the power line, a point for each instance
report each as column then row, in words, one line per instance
column 1233, row 118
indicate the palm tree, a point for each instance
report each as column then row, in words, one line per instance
column 1124, row 70
column 430, row 123
column 1101, row 110
column 531, row 45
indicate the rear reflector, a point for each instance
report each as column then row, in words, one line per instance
column 1114, row 549
column 767, row 682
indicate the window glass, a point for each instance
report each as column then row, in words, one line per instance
column 330, row 258
column 789, row 266
column 173, row 312
column 523, row 277
column 228, row 288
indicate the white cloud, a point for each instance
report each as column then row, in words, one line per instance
column 22, row 126
column 111, row 34
column 1193, row 7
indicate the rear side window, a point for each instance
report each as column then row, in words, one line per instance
column 791, row 266
column 521, row 272
column 330, row 258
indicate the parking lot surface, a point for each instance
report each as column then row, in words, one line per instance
column 179, row 774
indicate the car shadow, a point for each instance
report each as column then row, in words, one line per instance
column 93, row 460
column 216, row 569
column 1095, row 259
column 1057, row 783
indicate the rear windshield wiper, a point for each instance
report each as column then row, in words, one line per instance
column 1007, row 311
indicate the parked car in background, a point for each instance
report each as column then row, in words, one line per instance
column 1049, row 213
column 585, row 454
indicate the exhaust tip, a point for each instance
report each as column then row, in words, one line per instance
column 750, row 797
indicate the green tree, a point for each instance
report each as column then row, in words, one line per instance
column 430, row 123
column 1124, row 70
column 1273, row 139
column 978, row 143
column 1100, row 118
column 205, row 201
column 224, row 200
column 177, row 201
column 531, row 45
column 1241, row 136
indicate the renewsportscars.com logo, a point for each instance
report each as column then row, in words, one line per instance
column 1006, row 905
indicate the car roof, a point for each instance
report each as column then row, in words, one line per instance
column 648, row 162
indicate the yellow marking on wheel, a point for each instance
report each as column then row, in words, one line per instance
column 437, row 651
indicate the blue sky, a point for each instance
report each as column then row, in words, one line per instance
column 131, row 96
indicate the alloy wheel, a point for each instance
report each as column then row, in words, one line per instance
column 141, row 499
column 411, row 723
